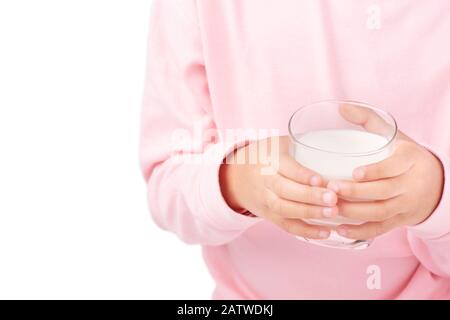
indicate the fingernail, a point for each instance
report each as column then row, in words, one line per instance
column 324, row 234
column 328, row 212
column 342, row 232
column 315, row 181
column 328, row 198
column 333, row 185
column 359, row 173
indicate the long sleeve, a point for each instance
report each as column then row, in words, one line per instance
column 430, row 240
column 179, row 157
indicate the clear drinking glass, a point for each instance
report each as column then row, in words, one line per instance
column 335, row 137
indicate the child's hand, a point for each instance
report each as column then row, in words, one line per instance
column 285, row 197
column 402, row 190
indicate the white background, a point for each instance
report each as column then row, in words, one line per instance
column 73, row 214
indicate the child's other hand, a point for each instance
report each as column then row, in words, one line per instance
column 284, row 197
column 402, row 190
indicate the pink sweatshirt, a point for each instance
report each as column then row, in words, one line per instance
column 221, row 64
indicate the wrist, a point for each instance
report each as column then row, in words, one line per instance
column 227, row 179
column 439, row 180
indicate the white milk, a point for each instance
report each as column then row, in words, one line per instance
column 338, row 160
column 335, row 164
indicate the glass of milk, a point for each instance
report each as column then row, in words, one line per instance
column 333, row 138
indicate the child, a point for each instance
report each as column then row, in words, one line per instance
column 240, row 64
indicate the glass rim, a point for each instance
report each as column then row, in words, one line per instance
column 349, row 154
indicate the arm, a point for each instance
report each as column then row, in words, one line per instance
column 408, row 189
column 430, row 240
column 184, row 196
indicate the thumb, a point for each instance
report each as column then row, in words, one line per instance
column 369, row 120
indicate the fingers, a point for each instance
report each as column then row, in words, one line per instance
column 399, row 163
column 289, row 190
column 369, row 230
column 372, row 190
column 296, row 210
column 300, row 228
column 291, row 169
column 371, row 211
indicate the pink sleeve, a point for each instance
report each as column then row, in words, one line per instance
column 430, row 240
column 183, row 191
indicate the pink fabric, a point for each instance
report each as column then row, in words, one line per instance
column 250, row 64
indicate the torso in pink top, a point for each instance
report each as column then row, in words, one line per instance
column 251, row 64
